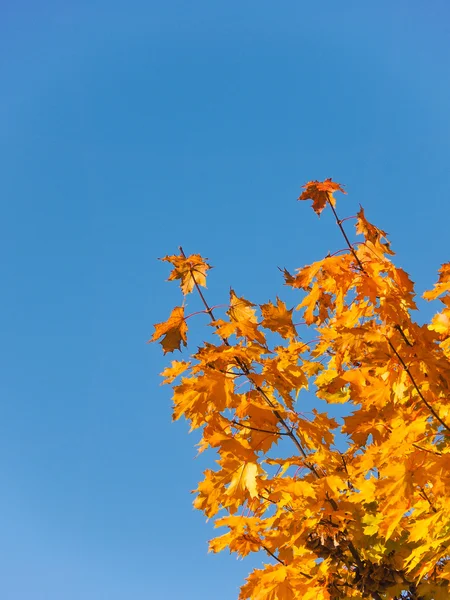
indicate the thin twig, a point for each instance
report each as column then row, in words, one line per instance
column 273, row 555
column 237, row 424
column 402, row 333
column 348, row 218
column 288, row 508
column 339, row 223
column 436, row 452
column 202, row 312
column 433, row 508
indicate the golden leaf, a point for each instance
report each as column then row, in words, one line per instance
column 244, row 479
column 171, row 373
column 241, row 309
column 279, row 319
column 174, row 331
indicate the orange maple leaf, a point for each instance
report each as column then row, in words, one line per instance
column 174, row 331
column 190, row 269
column 320, row 192
column 278, row 318
column 243, row 316
column 371, row 233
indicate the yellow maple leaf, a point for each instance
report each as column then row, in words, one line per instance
column 371, row 523
column 241, row 309
column 171, row 373
column 441, row 322
column 174, row 331
column 244, row 479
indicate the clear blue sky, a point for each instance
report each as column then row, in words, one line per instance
column 128, row 128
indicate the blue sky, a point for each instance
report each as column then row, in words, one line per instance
column 127, row 130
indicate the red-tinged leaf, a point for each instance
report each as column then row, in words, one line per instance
column 320, row 192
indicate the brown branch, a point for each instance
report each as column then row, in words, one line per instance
column 288, row 508
column 273, row 555
column 349, row 483
column 339, row 223
column 256, row 429
column 402, row 333
column 436, row 452
column 433, row 508
column 344, row 463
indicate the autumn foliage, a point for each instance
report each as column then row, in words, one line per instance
column 367, row 516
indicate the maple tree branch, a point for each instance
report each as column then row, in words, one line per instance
column 273, row 555
column 339, row 223
column 427, row 449
column 342, row 250
column 208, row 309
column 288, row 508
column 402, row 333
column 257, row 429
column 349, row 483
column 413, row 381
column 425, row 495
